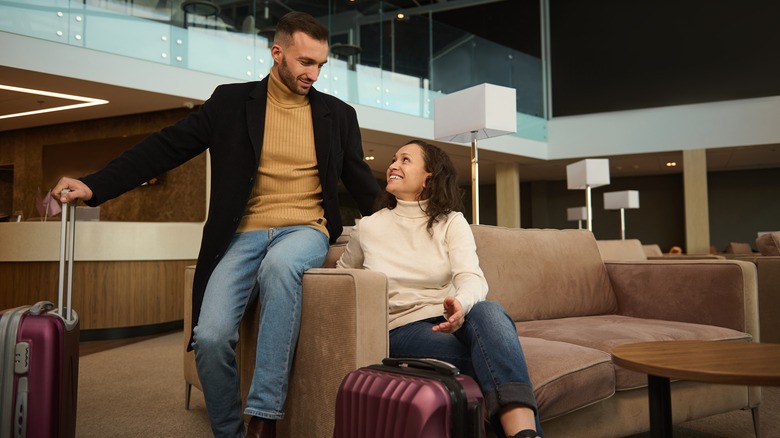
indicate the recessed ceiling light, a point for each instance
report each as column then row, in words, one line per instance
column 671, row 164
column 84, row 101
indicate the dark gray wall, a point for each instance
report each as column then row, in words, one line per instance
column 613, row 55
column 741, row 203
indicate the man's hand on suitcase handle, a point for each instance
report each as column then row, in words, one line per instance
column 77, row 190
column 453, row 311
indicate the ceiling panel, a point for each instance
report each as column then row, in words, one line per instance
column 380, row 145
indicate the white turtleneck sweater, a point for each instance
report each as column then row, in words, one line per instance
column 421, row 269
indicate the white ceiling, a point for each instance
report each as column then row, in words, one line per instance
column 126, row 101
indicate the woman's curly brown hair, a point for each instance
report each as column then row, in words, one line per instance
column 441, row 188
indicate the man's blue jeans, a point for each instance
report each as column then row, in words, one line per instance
column 485, row 347
column 268, row 263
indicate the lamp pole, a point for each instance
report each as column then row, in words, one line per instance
column 474, row 179
column 622, row 223
column 588, row 207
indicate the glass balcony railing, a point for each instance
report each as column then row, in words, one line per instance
column 394, row 64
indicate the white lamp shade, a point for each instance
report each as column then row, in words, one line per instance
column 577, row 213
column 490, row 110
column 618, row 200
column 592, row 172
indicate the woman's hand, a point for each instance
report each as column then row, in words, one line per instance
column 453, row 311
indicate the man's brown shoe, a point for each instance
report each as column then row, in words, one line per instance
column 261, row 428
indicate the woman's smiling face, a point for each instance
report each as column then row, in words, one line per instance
column 406, row 176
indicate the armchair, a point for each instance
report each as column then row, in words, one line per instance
column 190, row 372
column 768, row 267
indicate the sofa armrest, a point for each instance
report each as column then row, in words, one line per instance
column 344, row 310
column 714, row 292
column 343, row 327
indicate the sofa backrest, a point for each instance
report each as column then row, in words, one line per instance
column 768, row 244
column 333, row 255
column 338, row 248
column 629, row 250
column 544, row 274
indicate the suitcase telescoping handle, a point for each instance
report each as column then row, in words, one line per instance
column 438, row 366
column 67, row 250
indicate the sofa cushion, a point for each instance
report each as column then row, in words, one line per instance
column 627, row 250
column 567, row 377
column 739, row 248
column 652, row 250
column 603, row 333
column 525, row 272
column 345, row 233
column 769, row 244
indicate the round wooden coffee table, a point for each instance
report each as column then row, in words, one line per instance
column 737, row 363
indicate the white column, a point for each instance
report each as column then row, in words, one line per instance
column 697, row 215
column 508, row 195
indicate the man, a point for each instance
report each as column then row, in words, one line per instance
column 278, row 148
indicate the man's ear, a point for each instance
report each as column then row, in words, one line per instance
column 276, row 53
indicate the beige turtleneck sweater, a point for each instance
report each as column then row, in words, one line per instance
column 287, row 189
column 421, row 269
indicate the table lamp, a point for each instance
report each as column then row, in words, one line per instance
column 586, row 174
column 621, row 201
column 578, row 214
column 472, row 114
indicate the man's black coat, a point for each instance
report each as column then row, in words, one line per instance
column 231, row 126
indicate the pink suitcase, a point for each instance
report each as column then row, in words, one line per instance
column 39, row 359
column 409, row 398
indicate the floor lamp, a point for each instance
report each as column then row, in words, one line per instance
column 476, row 113
column 585, row 175
column 578, row 214
column 621, row 201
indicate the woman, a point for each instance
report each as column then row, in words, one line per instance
column 424, row 245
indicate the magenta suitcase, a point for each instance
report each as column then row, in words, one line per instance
column 409, row 398
column 39, row 359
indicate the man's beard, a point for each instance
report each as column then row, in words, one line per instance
column 289, row 80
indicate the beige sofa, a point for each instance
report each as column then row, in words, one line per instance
column 571, row 308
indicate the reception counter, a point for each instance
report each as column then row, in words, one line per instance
column 127, row 276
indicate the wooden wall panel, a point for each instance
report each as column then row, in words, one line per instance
column 38, row 154
column 112, row 294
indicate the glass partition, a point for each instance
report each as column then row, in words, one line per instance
column 378, row 58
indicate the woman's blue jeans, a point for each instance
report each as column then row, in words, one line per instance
column 485, row 347
column 269, row 264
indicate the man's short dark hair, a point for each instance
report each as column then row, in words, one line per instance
column 299, row 22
